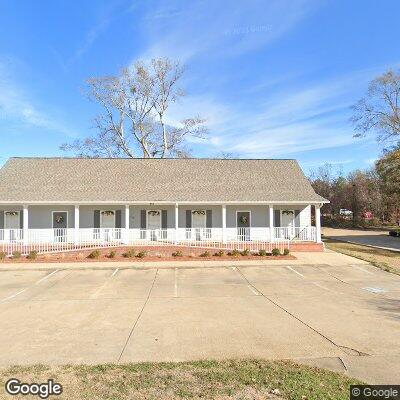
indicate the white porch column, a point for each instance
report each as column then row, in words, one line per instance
column 318, row 222
column 271, row 222
column 76, row 223
column 127, row 216
column 176, row 223
column 25, row 223
column 223, row 223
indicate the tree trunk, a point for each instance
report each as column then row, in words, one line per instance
column 165, row 139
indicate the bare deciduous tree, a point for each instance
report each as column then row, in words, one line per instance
column 133, row 121
column 379, row 110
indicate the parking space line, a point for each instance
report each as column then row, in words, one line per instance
column 45, row 277
column 13, row 295
column 325, row 288
column 23, row 290
column 96, row 293
column 256, row 292
column 293, row 270
column 250, row 287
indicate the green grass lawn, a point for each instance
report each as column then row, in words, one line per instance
column 385, row 259
column 222, row 380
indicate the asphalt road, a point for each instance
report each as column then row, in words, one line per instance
column 370, row 238
column 346, row 318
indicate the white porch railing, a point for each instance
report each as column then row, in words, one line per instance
column 302, row 234
column 55, row 240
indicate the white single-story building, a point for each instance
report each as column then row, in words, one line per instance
column 156, row 200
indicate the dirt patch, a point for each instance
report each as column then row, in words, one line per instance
column 152, row 253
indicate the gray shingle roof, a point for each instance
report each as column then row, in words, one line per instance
column 151, row 180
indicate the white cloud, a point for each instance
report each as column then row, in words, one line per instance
column 17, row 106
column 215, row 29
column 286, row 122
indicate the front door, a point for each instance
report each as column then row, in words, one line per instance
column 60, row 224
column 287, row 222
column 199, row 223
column 154, row 223
column 243, row 225
column 12, row 222
column 107, row 219
column 107, row 223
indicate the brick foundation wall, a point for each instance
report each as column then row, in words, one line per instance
column 305, row 246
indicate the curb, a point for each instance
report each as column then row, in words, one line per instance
column 141, row 265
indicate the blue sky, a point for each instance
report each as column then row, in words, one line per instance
column 275, row 79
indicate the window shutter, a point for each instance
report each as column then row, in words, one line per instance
column 118, row 219
column 96, row 219
column 277, row 218
column 142, row 219
column 1, row 219
column 188, row 218
column 208, row 218
column 296, row 217
column 21, row 219
column 163, row 219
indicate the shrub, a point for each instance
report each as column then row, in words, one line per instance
column 219, row 253
column 276, row 252
column 205, row 254
column 142, row 254
column 262, row 253
column 94, row 254
column 177, row 253
column 112, row 254
column 16, row 254
column 3, row 255
column 286, row 252
column 235, row 253
column 130, row 253
column 32, row 255
column 245, row 252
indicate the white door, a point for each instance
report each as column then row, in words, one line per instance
column 154, row 220
column 287, row 221
column 154, row 223
column 108, row 220
column 107, row 223
column 198, row 224
column 198, row 220
column 12, row 223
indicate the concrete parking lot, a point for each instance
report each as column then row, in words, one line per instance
column 343, row 317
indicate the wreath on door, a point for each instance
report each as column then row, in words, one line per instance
column 199, row 212
column 244, row 219
column 108, row 213
column 59, row 219
column 287, row 212
column 154, row 213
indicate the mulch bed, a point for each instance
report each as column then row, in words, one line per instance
column 153, row 253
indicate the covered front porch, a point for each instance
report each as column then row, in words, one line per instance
column 158, row 223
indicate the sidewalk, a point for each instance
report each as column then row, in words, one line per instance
column 302, row 258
